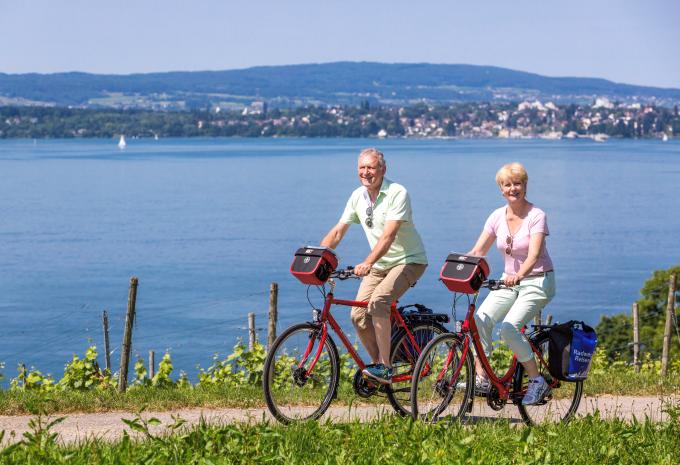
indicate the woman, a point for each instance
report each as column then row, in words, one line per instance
column 519, row 230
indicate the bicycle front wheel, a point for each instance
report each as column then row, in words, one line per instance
column 562, row 402
column 403, row 358
column 443, row 381
column 297, row 385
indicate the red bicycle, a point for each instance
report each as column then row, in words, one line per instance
column 444, row 378
column 302, row 369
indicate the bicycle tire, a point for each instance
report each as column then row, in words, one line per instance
column 290, row 393
column 562, row 403
column 403, row 358
column 437, row 391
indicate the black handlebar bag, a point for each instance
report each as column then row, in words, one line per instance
column 570, row 350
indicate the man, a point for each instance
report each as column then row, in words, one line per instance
column 396, row 261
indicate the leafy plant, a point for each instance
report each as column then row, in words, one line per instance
column 142, row 425
column 162, row 376
column 32, row 380
column 183, row 381
column 238, row 368
column 84, row 374
column 141, row 378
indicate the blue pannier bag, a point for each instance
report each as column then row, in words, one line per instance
column 570, row 350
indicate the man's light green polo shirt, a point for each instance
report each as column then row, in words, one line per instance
column 393, row 203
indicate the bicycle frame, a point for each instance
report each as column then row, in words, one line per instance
column 327, row 318
column 470, row 332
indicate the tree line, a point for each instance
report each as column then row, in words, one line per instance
column 420, row 120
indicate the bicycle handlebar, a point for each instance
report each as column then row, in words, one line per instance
column 345, row 273
column 495, row 284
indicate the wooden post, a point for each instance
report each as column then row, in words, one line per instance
column 538, row 318
column 548, row 320
column 107, row 347
column 670, row 308
column 636, row 338
column 152, row 364
column 127, row 335
column 251, row 331
column 273, row 313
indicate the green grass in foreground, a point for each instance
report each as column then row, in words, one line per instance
column 250, row 396
column 388, row 440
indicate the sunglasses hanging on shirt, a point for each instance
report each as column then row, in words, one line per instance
column 508, row 242
column 369, row 217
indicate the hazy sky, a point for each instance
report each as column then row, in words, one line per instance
column 632, row 41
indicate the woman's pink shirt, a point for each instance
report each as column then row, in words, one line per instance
column 534, row 223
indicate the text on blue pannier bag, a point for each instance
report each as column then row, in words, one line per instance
column 571, row 347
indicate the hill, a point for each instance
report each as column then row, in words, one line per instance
column 341, row 83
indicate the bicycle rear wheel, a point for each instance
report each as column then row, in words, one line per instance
column 443, row 381
column 563, row 401
column 291, row 391
column 403, row 358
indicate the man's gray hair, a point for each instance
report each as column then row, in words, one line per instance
column 372, row 152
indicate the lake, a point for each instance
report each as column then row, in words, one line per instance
column 208, row 224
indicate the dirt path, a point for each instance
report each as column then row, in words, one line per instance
column 109, row 426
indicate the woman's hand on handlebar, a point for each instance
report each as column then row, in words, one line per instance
column 505, row 283
column 495, row 284
column 510, row 281
column 362, row 269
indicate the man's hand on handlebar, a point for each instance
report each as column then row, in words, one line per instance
column 362, row 269
column 345, row 273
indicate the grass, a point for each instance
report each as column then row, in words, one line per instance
column 625, row 382
column 17, row 402
column 386, row 440
column 23, row 402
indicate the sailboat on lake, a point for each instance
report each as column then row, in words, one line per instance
column 121, row 143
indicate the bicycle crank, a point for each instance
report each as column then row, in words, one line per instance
column 363, row 387
column 494, row 400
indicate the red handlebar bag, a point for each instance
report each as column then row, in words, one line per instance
column 313, row 265
column 464, row 273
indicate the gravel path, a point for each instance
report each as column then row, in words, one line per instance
column 108, row 426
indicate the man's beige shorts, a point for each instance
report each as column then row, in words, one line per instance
column 382, row 287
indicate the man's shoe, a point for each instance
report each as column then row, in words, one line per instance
column 537, row 390
column 378, row 372
column 482, row 386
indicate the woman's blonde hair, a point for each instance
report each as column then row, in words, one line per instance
column 512, row 171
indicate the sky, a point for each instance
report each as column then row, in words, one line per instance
column 629, row 41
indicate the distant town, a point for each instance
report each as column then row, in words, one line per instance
column 527, row 119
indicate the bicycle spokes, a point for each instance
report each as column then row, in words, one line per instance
column 442, row 381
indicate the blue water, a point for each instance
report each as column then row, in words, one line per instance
column 206, row 225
